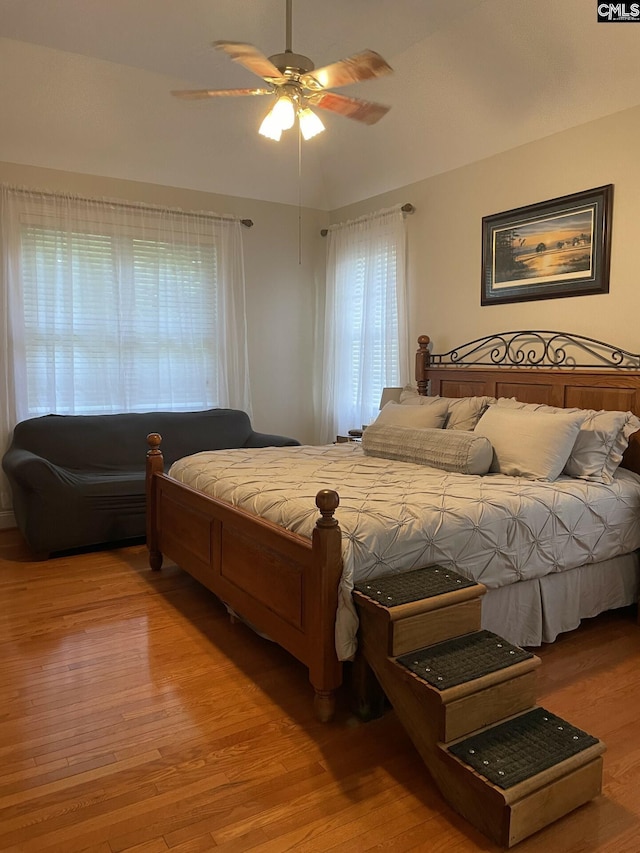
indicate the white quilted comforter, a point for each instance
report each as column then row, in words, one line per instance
column 397, row 515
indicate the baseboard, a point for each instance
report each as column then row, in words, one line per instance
column 7, row 519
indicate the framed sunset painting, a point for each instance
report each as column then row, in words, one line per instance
column 551, row 249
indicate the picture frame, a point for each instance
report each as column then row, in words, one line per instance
column 552, row 249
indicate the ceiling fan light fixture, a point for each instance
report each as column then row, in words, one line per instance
column 310, row 123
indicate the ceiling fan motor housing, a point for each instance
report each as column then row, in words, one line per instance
column 290, row 64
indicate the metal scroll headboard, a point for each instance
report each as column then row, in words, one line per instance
column 539, row 349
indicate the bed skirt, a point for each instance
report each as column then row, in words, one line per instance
column 535, row 611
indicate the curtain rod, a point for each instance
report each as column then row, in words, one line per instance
column 130, row 205
column 406, row 208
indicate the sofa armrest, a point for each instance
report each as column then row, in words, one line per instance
column 264, row 439
column 27, row 469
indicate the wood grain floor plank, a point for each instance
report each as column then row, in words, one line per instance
column 200, row 844
column 198, row 815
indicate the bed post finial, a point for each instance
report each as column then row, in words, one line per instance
column 327, row 502
column 423, row 359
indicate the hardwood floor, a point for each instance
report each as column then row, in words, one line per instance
column 135, row 716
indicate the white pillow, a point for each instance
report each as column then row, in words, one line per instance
column 600, row 444
column 464, row 412
column 529, row 444
column 455, row 450
column 395, row 414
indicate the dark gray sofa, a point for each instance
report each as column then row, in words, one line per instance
column 79, row 480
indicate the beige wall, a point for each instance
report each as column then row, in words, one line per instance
column 280, row 290
column 445, row 235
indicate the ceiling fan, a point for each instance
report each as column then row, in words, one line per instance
column 296, row 84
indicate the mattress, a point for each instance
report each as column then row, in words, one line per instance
column 395, row 516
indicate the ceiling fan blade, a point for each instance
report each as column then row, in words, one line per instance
column 360, row 66
column 194, row 94
column 365, row 111
column 250, row 57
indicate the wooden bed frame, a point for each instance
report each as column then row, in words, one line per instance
column 287, row 586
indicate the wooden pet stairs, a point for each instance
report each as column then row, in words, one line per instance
column 467, row 700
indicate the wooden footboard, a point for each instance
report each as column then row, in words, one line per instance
column 283, row 584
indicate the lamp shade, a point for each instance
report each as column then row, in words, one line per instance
column 390, row 395
column 270, row 127
column 310, row 124
column 284, row 113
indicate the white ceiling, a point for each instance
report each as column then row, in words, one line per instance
column 84, row 87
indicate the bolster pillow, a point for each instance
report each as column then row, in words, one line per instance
column 456, row 451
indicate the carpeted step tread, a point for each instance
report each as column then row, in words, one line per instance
column 519, row 749
column 406, row 587
column 462, row 659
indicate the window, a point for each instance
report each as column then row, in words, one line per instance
column 369, row 288
column 123, row 307
column 365, row 338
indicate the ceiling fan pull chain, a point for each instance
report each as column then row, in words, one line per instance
column 299, row 192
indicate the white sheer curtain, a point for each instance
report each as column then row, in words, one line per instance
column 365, row 328
column 112, row 307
